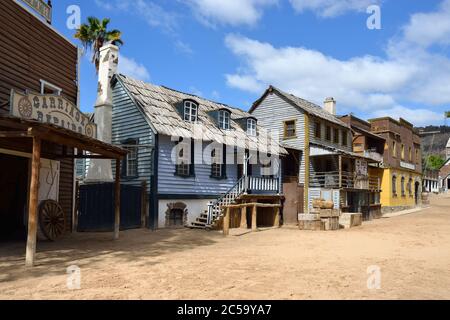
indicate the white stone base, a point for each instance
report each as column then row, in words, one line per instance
column 195, row 207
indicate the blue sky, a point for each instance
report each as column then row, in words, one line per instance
column 230, row 51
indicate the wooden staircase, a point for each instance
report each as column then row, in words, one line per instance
column 212, row 216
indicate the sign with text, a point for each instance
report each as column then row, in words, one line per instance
column 407, row 165
column 41, row 7
column 52, row 109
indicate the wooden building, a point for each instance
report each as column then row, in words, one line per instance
column 42, row 129
column 321, row 162
column 196, row 155
column 401, row 178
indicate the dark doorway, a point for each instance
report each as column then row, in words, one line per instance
column 292, row 189
column 416, row 192
column 13, row 197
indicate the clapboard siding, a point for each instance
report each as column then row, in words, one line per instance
column 331, row 143
column 201, row 184
column 30, row 51
column 272, row 112
column 129, row 123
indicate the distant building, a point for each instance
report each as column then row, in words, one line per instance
column 444, row 172
column 402, row 163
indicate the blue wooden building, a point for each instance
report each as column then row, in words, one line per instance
column 196, row 155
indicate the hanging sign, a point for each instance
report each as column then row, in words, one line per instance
column 52, row 109
column 41, row 7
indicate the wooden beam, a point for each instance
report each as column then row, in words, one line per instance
column 14, row 134
column 33, row 203
column 226, row 222
column 306, row 154
column 117, row 202
column 252, row 204
column 254, row 218
column 244, row 224
column 340, row 171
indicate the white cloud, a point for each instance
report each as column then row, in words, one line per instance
column 230, row 12
column 409, row 74
column 130, row 67
column 332, row 8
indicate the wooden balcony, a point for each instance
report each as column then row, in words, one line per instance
column 345, row 180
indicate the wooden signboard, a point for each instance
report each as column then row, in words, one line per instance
column 41, row 7
column 52, row 109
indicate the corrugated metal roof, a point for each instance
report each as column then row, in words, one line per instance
column 159, row 105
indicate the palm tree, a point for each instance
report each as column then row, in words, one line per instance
column 95, row 34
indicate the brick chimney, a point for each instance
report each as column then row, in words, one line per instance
column 330, row 105
column 100, row 170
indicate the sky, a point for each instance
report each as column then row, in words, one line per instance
column 231, row 51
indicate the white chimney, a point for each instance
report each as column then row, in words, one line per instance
column 99, row 169
column 330, row 105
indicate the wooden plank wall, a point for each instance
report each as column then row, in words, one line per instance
column 30, row 51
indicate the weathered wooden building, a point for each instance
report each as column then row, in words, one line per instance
column 321, row 162
column 41, row 127
column 196, row 154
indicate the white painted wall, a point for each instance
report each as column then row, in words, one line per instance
column 195, row 207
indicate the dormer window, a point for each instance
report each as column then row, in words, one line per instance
column 224, row 119
column 251, row 127
column 190, row 111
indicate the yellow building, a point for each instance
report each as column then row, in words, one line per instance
column 401, row 171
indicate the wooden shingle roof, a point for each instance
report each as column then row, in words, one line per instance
column 158, row 104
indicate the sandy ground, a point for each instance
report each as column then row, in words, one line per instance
column 412, row 252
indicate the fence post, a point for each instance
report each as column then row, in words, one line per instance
column 144, row 204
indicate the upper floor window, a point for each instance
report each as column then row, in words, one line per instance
column 251, row 127
column 318, row 130
column 394, row 149
column 336, row 136
column 328, row 133
column 48, row 88
column 290, row 130
column 224, row 119
column 410, row 154
column 417, row 156
column 190, row 111
column 130, row 165
column 344, row 138
column 403, row 152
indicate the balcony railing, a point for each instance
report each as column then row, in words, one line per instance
column 373, row 155
column 346, row 180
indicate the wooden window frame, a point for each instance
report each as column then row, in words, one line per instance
column 133, row 145
column 394, row 149
column 345, row 138
column 190, row 172
column 252, row 126
column 328, row 133
column 188, row 111
column 45, row 84
column 222, row 166
column 224, row 119
column 285, row 131
column 336, row 135
column 318, row 130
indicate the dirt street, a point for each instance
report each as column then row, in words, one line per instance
column 412, row 252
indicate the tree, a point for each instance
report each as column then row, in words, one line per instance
column 434, row 162
column 94, row 35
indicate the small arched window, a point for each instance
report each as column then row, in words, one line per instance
column 251, row 127
column 224, row 119
column 403, row 187
column 190, row 111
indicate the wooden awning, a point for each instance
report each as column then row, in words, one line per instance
column 13, row 127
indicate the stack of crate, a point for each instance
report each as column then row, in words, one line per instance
column 322, row 217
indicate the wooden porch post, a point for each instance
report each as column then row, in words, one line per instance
column 244, row 217
column 226, row 222
column 33, row 203
column 144, row 204
column 277, row 217
column 254, row 218
column 340, row 172
column 117, row 201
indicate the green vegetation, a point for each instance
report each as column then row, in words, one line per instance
column 434, row 162
column 94, row 34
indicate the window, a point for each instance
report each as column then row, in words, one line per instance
column 344, row 138
column 318, row 130
column 48, row 88
column 328, row 133
column 185, row 158
column 336, row 136
column 224, row 119
column 403, row 152
column 130, row 165
column 217, row 164
column 190, row 111
column 251, row 127
column 410, row 183
column 290, row 130
column 394, row 149
column 394, row 186
column 410, row 154
column 417, row 156
column 403, row 187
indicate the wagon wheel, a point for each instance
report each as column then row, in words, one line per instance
column 51, row 220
